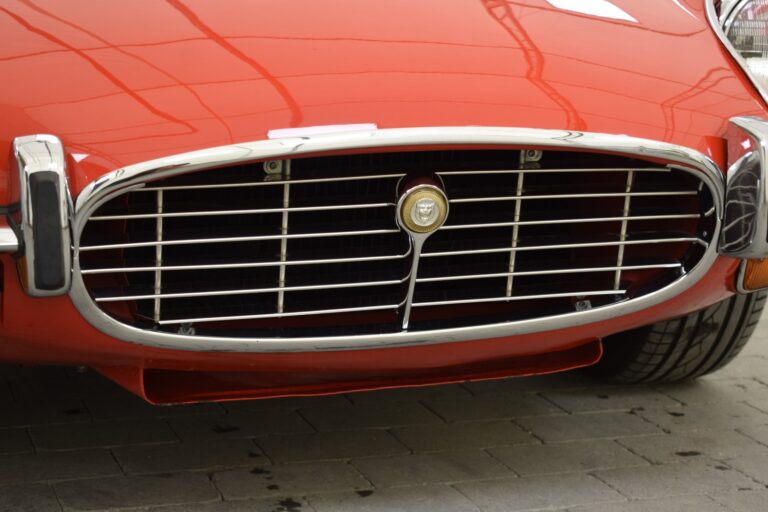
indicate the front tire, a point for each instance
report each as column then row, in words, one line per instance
column 683, row 348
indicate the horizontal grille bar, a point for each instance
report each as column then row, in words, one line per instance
column 243, row 212
column 572, row 196
column 251, row 291
column 547, row 272
column 571, row 221
column 220, row 266
column 238, row 239
column 550, row 171
column 583, row 245
column 266, row 183
column 593, row 293
column 280, row 315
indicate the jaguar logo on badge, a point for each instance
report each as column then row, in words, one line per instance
column 424, row 212
column 423, row 209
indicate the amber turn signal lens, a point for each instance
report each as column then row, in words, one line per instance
column 756, row 274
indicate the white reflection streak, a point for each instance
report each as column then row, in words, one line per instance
column 684, row 8
column 599, row 8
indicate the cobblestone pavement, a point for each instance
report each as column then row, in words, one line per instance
column 73, row 441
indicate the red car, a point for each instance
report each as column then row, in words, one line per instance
column 226, row 200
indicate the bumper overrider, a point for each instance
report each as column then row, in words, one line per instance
column 43, row 229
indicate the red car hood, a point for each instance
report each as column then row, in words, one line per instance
column 123, row 82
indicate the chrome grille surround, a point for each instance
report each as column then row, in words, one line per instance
column 134, row 178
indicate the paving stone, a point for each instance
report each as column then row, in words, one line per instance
column 701, row 444
column 38, row 467
column 290, row 480
column 188, row 456
column 609, row 399
column 28, row 498
column 413, row 394
column 674, row 480
column 12, row 372
column 587, row 426
column 747, row 367
column 566, row 457
column 758, row 433
column 5, row 393
column 378, row 415
column 136, row 491
column 755, row 465
column 44, row 388
column 538, row 492
column 671, row 504
column 433, row 467
column 427, row 498
column 278, row 504
column 29, row 414
column 743, row 501
column 14, row 440
column 566, row 380
column 492, row 406
column 297, row 402
column 240, row 424
column 103, row 434
column 708, row 391
column 696, row 417
column 474, row 434
column 330, row 445
column 133, row 407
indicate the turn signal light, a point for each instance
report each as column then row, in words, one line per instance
column 756, row 275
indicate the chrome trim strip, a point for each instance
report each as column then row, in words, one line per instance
column 464, row 277
column 247, row 265
column 212, row 213
column 740, row 275
column 38, row 154
column 720, row 26
column 623, row 233
column 251, row 291
column 573, row 196
column 188, row 241
column 133, row 177
column 563, row 246
column 277, row 182
column 9, row 242
column 520, row 297
column 393, row 307
column 553, row 171
column 571, row 221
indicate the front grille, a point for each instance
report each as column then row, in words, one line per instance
column 311, row 246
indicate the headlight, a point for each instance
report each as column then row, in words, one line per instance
column 746, row 27
column 742, row 25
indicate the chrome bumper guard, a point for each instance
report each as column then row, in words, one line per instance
column 44, row 243
column 745, row 212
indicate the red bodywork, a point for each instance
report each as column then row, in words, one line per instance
column 122, row 83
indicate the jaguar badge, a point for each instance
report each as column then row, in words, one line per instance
column 423, row 209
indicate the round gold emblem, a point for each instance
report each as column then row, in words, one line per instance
column 423, row 209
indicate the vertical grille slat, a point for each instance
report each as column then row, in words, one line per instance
column 317, row 248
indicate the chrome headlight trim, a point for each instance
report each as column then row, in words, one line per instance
column 720, row 25
column 132, row 177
